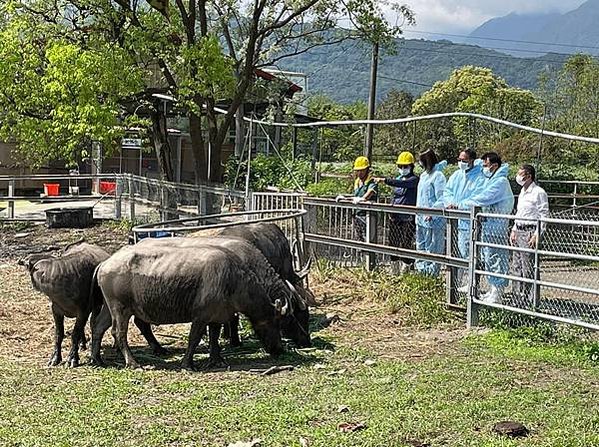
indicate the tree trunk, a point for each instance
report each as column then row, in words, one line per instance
column 197, row 148
column 161, row 144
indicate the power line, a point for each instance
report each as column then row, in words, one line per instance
column 505, row 40
column 405, row 81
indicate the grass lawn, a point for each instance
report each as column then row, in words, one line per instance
column 408, row 385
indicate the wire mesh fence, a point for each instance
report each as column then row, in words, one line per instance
column 546, row 267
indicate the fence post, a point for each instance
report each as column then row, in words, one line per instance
column 118, row 196
column 536, row 292
column 371, row 239
column 164, row 215
column 11, row 203
column 574, row 201
column 472, row 309
column 452, row 272
column 309, row 226
column 201, row 201
column 131, row 199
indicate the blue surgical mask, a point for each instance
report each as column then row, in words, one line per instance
column 404, row 171
column 463, row 165
column 487, row 172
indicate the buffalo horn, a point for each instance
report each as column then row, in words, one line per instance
column 304, row 271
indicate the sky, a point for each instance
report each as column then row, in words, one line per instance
column 463, row 16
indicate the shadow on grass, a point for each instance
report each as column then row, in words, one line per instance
column 249, row 356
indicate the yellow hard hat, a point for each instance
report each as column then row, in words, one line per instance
column 405, row 158
column 361, row 163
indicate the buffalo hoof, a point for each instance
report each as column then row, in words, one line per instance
column 215, row 363
column 97, row 361
column 55, row 360
column 160, row 351
column 133, row 365
column 188, row 366
column 72, row 362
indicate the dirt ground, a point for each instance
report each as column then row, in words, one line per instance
column 26, row 325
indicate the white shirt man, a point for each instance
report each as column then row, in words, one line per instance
column 532, row 206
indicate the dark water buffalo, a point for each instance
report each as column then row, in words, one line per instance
column 272, row 242
column 163, row 284
column 295, row 325
column 66, row 282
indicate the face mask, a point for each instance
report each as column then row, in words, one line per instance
column 463, row 165
column 487, row 172
column 520, row 180
column 404, row 171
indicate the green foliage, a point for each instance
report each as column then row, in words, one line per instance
column 57, row 96
column 329, row 187
column 475, row 90
column 421, row 62
column 339, row 143
column 572, row 100
column 268, row 171
column 203, row 69
column 390, row 140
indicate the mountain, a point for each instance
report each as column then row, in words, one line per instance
column 513, row 27
column 342, row 71
column 578, row 27
column 574, row 31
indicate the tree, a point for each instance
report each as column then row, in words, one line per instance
column 572, row 106
column 207, row 51
column 57, row 96
column 339, row 143
column 393, row 138
column 476, row 90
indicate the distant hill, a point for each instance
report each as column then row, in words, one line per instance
column 513, row 27
column 577, row 27
column 342, row 71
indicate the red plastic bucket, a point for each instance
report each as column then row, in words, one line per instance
column 51, row 189
column 107, row 187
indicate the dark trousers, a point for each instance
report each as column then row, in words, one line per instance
column 360, row 228
column 401, row 235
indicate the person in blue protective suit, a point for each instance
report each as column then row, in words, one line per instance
column 402, row 227
column 495, row 196
column 430, row 230
column 462, row 184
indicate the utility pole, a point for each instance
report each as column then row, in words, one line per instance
column 372, row 100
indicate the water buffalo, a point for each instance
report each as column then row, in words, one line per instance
column 272, row 242
column 66, row 282
column 167, row 285
column 294, row 326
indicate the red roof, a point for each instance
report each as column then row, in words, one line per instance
column 293, row 88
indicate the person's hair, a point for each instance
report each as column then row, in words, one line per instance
column 428, row 159
column 492, row 157
column 530, row 170
column 471, row 153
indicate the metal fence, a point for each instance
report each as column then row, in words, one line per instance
column 113, row 196
column 558, row 279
